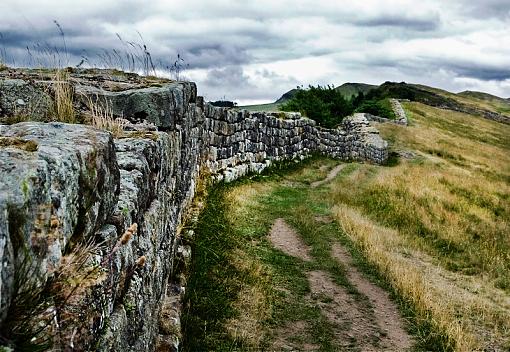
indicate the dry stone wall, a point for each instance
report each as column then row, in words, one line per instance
column 240, row 142
column 62, row 185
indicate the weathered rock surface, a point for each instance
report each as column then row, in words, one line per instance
column 62, row 191
column 78, row 184
column 20, row 97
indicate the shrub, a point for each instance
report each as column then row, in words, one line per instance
column 380, row 108
column 325, row 105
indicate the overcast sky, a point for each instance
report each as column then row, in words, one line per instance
column 253, row 51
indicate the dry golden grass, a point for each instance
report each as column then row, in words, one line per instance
column 438, row 226
column 437, row 295
column 64, row 97
column 252, row 303
column 102, row 117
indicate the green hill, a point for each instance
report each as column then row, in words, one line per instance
column 482, row 96
column 287, row 96
column 350, row 90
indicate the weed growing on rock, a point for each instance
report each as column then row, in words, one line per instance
column 64, row 97
column 29, row 146
column 124, row 239
column 102, row 117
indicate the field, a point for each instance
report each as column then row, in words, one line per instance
column 262, row 107
column 431, row 228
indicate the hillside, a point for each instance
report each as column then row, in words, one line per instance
column 271, row 106
column 350, row 90
column 475, row 103
column 287, row 96
column 482, row 96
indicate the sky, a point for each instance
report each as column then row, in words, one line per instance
column 254, row 51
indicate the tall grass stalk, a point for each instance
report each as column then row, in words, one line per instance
column 64, row 98
column 102, row 116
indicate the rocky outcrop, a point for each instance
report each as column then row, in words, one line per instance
column 61, row 190
column 66, row 185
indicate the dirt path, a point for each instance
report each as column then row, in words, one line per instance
column 376, row 326
column 353, row 324
column 331, row 175
column 367, row 322
column 285, row 238
column 387, row 316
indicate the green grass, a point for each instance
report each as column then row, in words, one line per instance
column 262, row 107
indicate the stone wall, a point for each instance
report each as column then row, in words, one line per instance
column 62, row 185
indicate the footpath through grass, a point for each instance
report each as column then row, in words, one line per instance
column 433, row 228
column 244, row 295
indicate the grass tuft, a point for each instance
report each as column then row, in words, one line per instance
column 102, row 117
column 64, row 97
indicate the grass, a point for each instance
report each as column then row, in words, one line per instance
column 261, row 107
column 102, row 117
column 63, row 97
column 476, row 100
column 44, row 316
column 244, row 294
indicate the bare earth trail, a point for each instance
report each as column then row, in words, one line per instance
column 370, row 324
column 331, row 175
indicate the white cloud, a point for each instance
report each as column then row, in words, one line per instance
column 258, row 50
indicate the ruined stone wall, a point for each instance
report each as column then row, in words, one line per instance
column 62, row 185
column 240, row 142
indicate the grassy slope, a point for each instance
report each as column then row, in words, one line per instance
column 445, row 218
column 475, row 99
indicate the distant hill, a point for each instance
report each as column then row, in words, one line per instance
column 287, row 96
column 350, row 90
column 482, row 96
column 470, row 102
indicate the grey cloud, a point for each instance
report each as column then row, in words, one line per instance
column 481, row 72
column 418, row 24
column 486, row 8
column 227, row 37
column 228, row 77
column 216, row 55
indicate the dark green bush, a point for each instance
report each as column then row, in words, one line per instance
column 325, row 105
column 380, row 108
